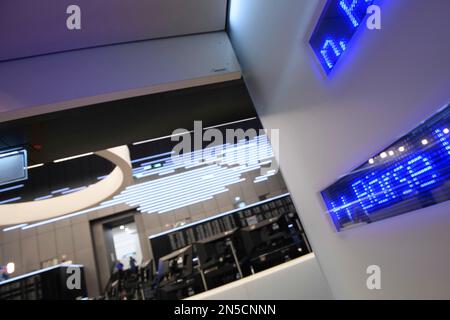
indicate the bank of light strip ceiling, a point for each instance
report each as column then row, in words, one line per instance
column 173, row 182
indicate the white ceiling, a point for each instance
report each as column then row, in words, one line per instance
column 72, row 79
column 29, row 28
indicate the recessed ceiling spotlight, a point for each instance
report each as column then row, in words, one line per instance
column 383, row 155
column 371, row 161
column 424, row 142
column 391, row 153
column 401, row 149
column 446, row 130
column 122, row 227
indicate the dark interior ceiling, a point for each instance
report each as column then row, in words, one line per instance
column 100, row 126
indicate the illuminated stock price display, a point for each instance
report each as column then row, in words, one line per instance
column 338, row 23
column 412, row 173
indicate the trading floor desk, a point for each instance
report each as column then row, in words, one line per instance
column 46, row 284
column 298, row 279
column 227, row 248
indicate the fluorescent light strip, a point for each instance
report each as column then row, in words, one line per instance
column 35, row 166
column 152, row 157
column 255, row 145
column 10, row 200
column 225, row 176
column 219, row 215
column 74, row 157
column 191, row 156
column 187, row 132
column 232, row 160
column 251, row 168
column 152, row 206
column 44, row 197
column 234, row 148
column 12, row 188
column 247, row 164
column 180, row 176
column 14, row 227
column 242, row 161
column 60, row 190
column 243, row 158
column 155, row 187
column 191, row 202
column 41, row 223
column 163, row 173
column 250, row 151
column 254, row 148
column 149, row 172
column 74, row 190
column 268, row 174
column 154, row 161
column 265, row 176
column 228, row 123
column 144, row 198
column 153, row 172
column 175, row 195
column 161, row 138
column 203, row 162
column 139, row 194
column 141, row 197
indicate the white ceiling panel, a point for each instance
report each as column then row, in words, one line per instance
column 29, row 28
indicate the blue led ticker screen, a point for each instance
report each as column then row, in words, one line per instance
column 338, row 23
column 411, row 174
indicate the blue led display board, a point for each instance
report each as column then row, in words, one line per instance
column 412, row 173
column 338, row 23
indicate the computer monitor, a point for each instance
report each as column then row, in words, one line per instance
column 175, row 265
column 213, row 249
column 263, row 236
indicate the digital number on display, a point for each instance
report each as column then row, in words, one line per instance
column 412, row 173
column 338, row 23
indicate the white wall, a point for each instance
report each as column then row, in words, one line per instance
column 389, row 81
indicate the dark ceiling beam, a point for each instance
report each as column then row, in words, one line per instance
column 100, row 126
